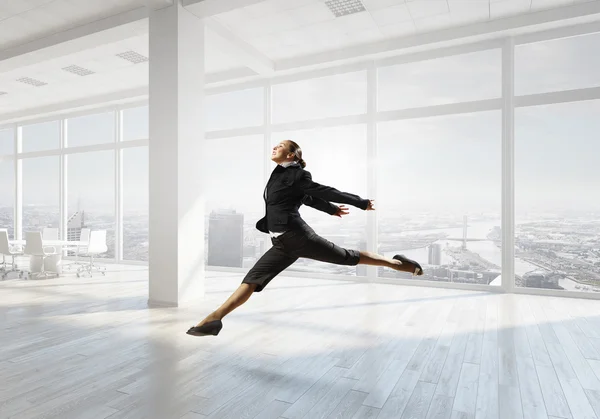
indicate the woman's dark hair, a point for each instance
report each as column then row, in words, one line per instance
column 295, row 148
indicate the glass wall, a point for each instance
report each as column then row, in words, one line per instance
column 242, row 108
column 41, row 185
column 557, row 178
column 455, row 79
column 90, row 182
column 438, row 178
column 557, row 232
column 7, row 195
column 135, row 204
column 41, row 137
column 7, row 142
column 559, row 64
column 7, row 180
column 439, row 196
column 325, row 97
column 91, row 195
column 91, row 129
column 233, row 179
column 136, row 123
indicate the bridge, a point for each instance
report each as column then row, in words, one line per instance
column 466, row 239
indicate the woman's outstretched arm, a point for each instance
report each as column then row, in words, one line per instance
column 309, row 187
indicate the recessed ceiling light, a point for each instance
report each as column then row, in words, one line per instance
column 80, row 71
column 32, row 82
column 133, row 57
column 345, row 7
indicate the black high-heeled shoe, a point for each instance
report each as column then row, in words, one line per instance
column 404, row 259
column 211, row 328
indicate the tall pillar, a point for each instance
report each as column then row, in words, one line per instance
column 508, row 165
column 176, row 139
column 372, row 224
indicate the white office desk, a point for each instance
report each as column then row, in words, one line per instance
column 54, row 262
column 51, row 243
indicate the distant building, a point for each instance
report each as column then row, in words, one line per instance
column 435, row 254
column 74, row 225
column 226, row 239
column 541, row 280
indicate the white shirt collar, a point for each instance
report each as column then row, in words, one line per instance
column 288, row 163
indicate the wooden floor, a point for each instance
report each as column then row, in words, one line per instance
column 90, row 348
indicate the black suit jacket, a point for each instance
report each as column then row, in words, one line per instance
column 289, row 188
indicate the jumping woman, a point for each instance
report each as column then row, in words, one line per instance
column 288, row 188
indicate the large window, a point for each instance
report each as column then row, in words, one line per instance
column 233, row 179
column 335, row 157
column 7, row 141
column 561, row 64
column 91, row 129
column 41, row 185
column 135, row 204
column 340, row 95
column 439, row 179
column 7, row 195
column 454, row 79
column 557, row 178
column 41, row 137
column 136, row 124
column 241, row 108
column 91, row 195
column 439, row 196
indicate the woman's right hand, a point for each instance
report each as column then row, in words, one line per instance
column 371, row 206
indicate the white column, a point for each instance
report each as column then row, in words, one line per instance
column 508, row 166
column 176, row 140
column 118, row 187
column 372, row 227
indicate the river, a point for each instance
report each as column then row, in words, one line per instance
column 476, row 230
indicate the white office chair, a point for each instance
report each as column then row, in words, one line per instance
column 97, row 246
column 34, row 247
column 84, row 238
column 50, row 233
column 7, row 250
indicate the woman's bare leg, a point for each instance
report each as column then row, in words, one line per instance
column 369, row 258
column 239, row 297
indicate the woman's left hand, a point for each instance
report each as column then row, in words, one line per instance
column 342, row 210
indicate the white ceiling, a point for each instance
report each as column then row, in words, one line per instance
column 22, row 21
column 111, row 73
column 272, row 30
column 288, row 28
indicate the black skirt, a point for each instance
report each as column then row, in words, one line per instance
column 292, row 245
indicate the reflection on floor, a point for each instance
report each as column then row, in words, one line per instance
column 90, row 348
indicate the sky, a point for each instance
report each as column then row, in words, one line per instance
column 450, row 162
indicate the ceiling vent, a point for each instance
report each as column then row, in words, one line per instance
column 3, row 93
column 341, row 8
column 31, row 82
column 80, row 71
column 132, row 57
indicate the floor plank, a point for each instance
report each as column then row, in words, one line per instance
column 554, row 397
column 419, row 402
column 466, row 393
column 441, row 407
